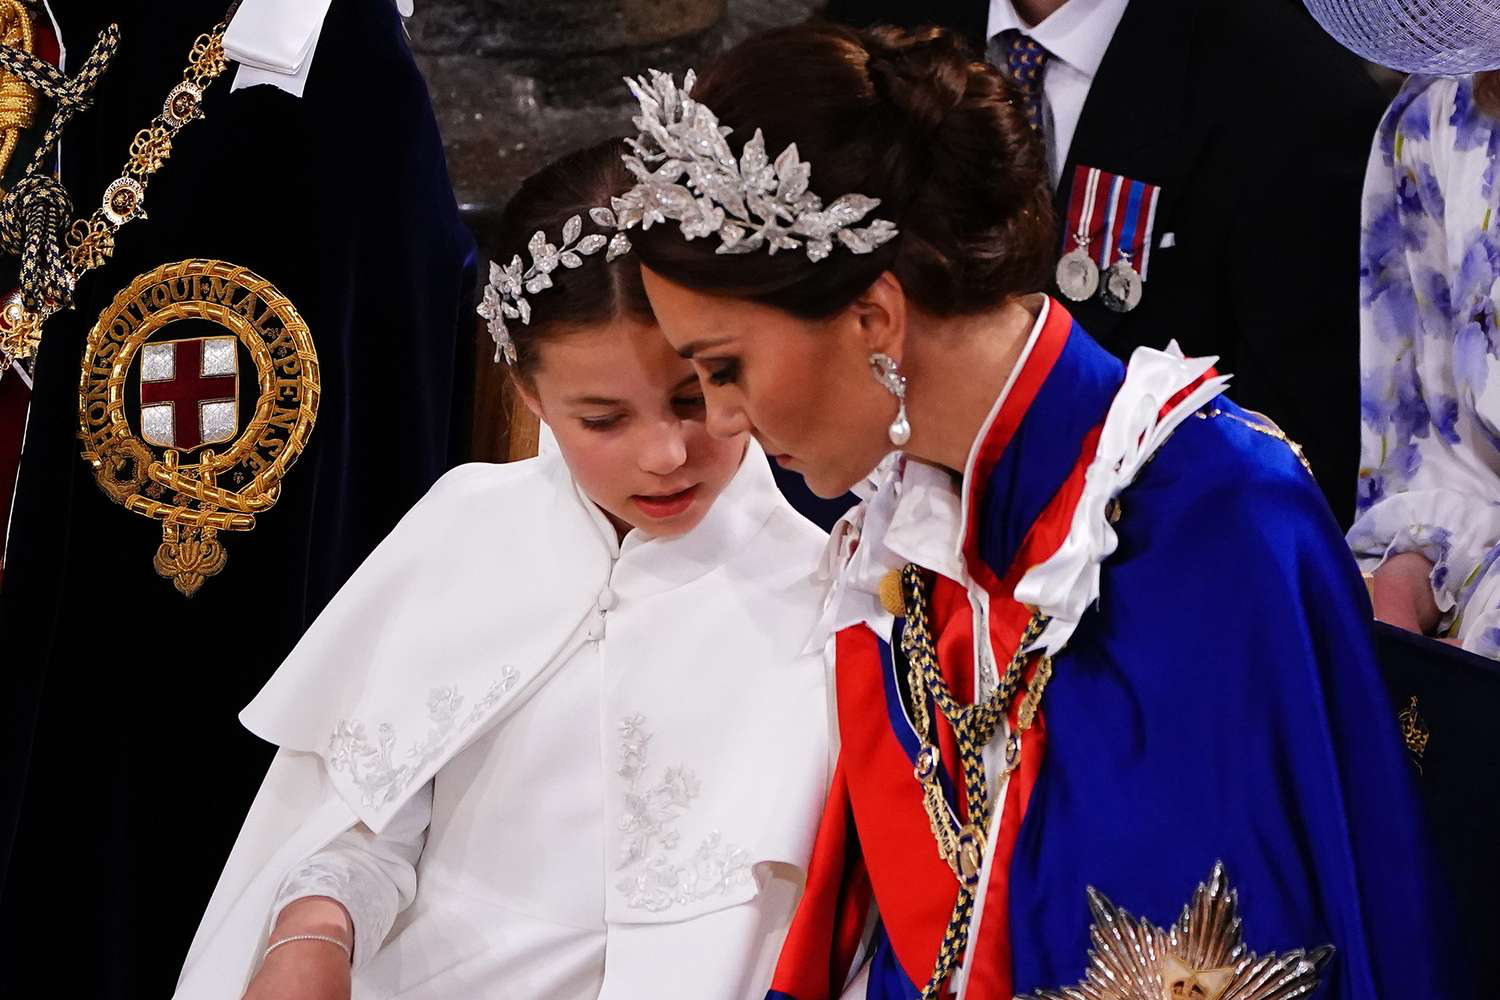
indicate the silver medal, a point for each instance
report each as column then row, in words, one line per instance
column 1078, row 275
column 1122, row 286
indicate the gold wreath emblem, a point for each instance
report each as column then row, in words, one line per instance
column 177, row 480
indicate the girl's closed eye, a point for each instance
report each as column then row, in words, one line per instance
column 691, row 405
column 601, row 423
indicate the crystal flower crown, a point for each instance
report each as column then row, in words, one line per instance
column 750, row 203
column 685, row 172
column 505, row 293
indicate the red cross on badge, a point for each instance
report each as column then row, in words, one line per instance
column 190, row 392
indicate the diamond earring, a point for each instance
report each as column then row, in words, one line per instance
column 888, row 374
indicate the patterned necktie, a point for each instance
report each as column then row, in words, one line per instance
column 1023, row 60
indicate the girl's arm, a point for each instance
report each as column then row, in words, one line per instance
column 341, row 903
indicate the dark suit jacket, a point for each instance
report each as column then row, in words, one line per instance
column 1257, row 126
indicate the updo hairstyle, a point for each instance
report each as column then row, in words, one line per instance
column 597, row 293
column 909, row 117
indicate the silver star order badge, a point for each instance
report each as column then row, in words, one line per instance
column 1202, row 957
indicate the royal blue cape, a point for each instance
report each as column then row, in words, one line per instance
column 1221, row 703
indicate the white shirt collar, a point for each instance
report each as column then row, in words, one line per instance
column 274, row 41
column 1078, row 32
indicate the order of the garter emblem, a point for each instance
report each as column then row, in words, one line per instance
column 1202, row 957
column 162, row 389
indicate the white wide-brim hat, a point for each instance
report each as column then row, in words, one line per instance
column 1434, row 37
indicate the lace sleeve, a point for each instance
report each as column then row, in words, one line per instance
column 373, row 875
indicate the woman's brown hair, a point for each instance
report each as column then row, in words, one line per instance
column 596, row 293
column 911, row 118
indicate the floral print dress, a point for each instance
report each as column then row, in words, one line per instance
column 1429, row 476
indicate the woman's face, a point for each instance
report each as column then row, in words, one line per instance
column 803, row 387
column 628, row 415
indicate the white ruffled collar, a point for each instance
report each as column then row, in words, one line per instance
column 910, row 514
column 919, row 513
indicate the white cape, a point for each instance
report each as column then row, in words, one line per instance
column 481, row 592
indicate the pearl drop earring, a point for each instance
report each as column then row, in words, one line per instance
column 888, row 374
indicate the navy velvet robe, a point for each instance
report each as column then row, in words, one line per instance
column 125, row 771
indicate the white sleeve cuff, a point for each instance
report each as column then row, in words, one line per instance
column 373, row 875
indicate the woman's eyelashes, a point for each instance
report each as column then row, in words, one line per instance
column 722, row 372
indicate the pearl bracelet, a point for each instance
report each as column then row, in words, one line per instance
column 307, row 937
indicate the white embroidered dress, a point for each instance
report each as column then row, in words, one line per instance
column 532, row 761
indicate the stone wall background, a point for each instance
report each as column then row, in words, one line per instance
column 518, row 82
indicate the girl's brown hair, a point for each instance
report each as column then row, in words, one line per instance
column 911, row 118
column 596, row 293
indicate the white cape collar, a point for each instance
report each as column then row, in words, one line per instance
column 481, row 592
column 916, row 514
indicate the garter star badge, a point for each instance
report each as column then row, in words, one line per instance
column 1201, row 958
column 162, row 388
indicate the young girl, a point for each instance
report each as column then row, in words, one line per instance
column 558, row 736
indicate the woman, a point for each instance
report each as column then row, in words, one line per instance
column 557, row 737
column 1126, row 640
column 1429, row 488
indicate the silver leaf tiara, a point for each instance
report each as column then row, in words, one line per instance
column 505, row 293
column 685, row 172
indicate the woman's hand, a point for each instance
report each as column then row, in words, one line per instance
column 1402, row 593
column 307, row 970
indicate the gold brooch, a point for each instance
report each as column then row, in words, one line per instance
column 1201, row 958
column 161, row 388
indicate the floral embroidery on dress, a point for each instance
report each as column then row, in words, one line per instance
column 657, row 877
column 373, row 767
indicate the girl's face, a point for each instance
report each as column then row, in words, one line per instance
column 803, row 387
column 628, row 415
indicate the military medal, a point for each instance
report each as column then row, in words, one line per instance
column 1077, row 274
column 1129, row 220
column 1110, row 223
column 160, row 406
column 1121, row 289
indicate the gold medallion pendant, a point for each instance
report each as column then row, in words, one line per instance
column 160, row 404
